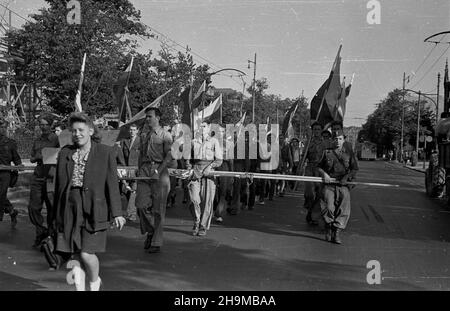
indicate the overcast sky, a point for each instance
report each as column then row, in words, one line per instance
column 296, row 42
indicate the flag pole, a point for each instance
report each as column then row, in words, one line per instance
column 318, row 113
column 78, row 105
column 125, row 97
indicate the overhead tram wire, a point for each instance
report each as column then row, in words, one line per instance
column 206, row 61
column 432, row 66
column 15, row 13
column 183, row 47
column 426, row 57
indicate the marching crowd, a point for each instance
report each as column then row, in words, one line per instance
column 89, row 196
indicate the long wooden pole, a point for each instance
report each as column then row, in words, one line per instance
column 182, row 173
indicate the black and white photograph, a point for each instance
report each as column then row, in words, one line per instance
column 224, row 151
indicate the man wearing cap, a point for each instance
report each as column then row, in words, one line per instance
column 313, row 155
column 8, row 154
column 38, row 185
column 338, row 162
column 154, row 158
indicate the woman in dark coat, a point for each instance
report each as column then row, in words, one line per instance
column 86, row 196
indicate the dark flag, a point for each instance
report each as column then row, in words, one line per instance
column 324, row 103
column 288, row 117
column 186, row 115
column 120, row 90
column 325, row 116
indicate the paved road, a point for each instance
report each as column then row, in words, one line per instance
column 269, row 248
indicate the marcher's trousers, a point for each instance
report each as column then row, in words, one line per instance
column 312, row 189
column 38, row 195
column 202, row 190
column 5, row 205
column 153, row 193
column 335, row 205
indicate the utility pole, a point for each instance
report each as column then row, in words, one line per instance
column 403, row 118
column 242, row 99
column 418, row 126
column 254, row 86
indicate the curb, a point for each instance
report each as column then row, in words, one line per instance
column 421, row 170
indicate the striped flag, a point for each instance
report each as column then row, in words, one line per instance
column 198, row 98
column 340, row 108
column 288, row 117
column 78, row 106
column 208, row 112
column 347, row 90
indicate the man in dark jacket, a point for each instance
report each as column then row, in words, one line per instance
column 8, row 154
column 130, row 150
column 38, row 185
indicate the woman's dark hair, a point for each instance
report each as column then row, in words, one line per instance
column 84, row 118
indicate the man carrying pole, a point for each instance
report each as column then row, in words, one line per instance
column 313, row 156
column 340, row 163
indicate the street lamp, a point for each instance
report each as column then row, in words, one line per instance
column 254, row 86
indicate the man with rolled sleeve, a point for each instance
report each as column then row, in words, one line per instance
column 8, row 154
column 208, row 155
column 154, row 158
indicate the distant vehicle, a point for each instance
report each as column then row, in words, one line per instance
column 366, row 151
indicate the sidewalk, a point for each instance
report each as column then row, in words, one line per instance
column 419, row 167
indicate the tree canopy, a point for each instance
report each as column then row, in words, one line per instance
column 384, row 125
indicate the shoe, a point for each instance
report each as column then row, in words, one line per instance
column 261, row 203
column 184, row 201
column 310, row 221
column 13, row 215
column 336, row 236
column 95, row 286
column 219, row 219
column 148, row 241
column 231, row 211
column 328, row 233
column 202, row 232
column 154, row 249
column 131, row 218
column 195, row 230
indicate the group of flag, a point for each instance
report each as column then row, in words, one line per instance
column 327, row 105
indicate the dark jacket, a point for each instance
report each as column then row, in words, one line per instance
column 131, row 154
column 101, row 198
column 8, row 151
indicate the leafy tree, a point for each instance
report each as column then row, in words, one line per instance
column 53, row 51
column 383, row 126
